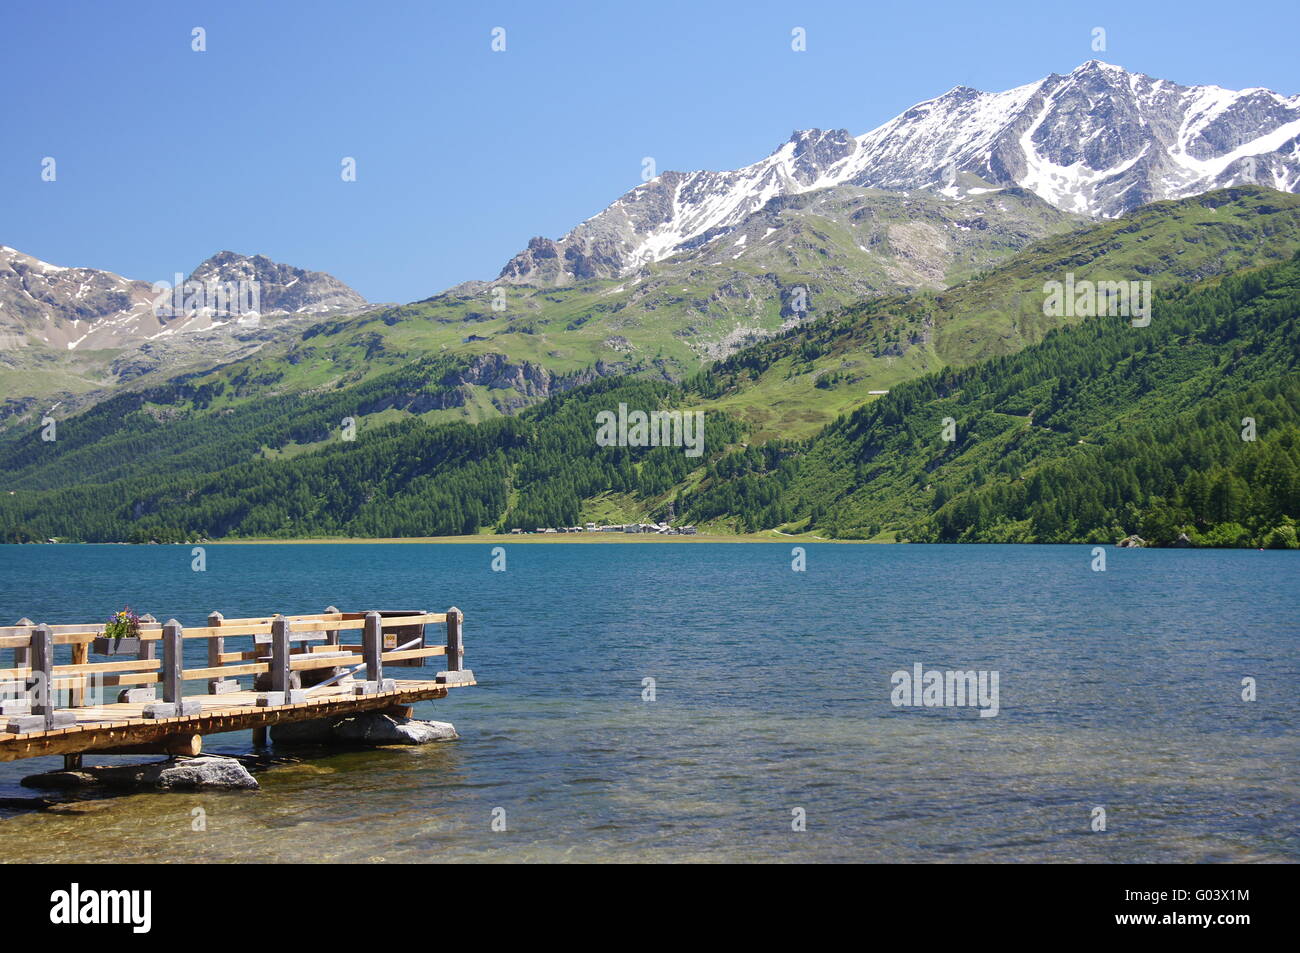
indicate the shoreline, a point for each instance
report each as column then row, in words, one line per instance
column 491, row 539
column 547, row 539
column 531, row 539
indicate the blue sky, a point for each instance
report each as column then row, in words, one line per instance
column 165, row 155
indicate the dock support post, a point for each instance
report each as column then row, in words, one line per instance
column 72, row 762
column 456, row 672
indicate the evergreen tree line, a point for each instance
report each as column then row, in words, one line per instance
column 408, row 478
column 1183, row 431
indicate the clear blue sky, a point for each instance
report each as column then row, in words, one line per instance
column 165, row 156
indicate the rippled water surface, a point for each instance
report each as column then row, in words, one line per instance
column 1119, row 689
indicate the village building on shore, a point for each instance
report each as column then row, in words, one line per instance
column 661, row 528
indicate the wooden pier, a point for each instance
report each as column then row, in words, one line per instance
column 303, row 667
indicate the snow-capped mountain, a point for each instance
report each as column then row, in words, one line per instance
column 89, row 309
column 1099, row 141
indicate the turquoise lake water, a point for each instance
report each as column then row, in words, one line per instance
column 1119, row 689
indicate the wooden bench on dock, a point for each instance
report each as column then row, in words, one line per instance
column 303, row 667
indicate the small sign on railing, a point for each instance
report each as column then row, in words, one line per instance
column 399, row 636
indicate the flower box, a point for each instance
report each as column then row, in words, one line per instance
column 127, row 645
column 121, row 635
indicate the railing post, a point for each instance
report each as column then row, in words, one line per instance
column 456, row 673
column 455, row 649
column 173, row 662
column 15, row 694
column 282, row 691
column 332, row 636
column 372, row 650
column 173, row 681
column 148, row 650
column 38, row 711
column 23, row 654
column 80, row 656
column 280, row 627
column 42, row 659
column 216, row 646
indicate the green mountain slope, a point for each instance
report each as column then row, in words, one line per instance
column 791, row 385
column 1101, row 430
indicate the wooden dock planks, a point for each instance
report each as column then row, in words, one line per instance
column 122, row 724
column 281, row 648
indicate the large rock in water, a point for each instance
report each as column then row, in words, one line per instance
column 205, row 773
column 367, row 728
column 192, row 774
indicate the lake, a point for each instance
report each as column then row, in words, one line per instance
column 771, row 709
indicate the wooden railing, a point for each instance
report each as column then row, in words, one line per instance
column 277, row 647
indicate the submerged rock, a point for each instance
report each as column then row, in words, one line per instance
column 367, row 728
column 207, row 773
column 52, row 806
column 79, row 807
column 59, row 780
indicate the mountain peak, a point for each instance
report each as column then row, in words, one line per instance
column 1098, row 141
column 1098, row 66
column 814, row 134
column 67, row 308
column 281, row 288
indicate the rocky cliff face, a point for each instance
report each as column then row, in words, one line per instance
column 65, row 308
column 525, row 381
column 283, row 289
column 90, row 309
column 1098, row 142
